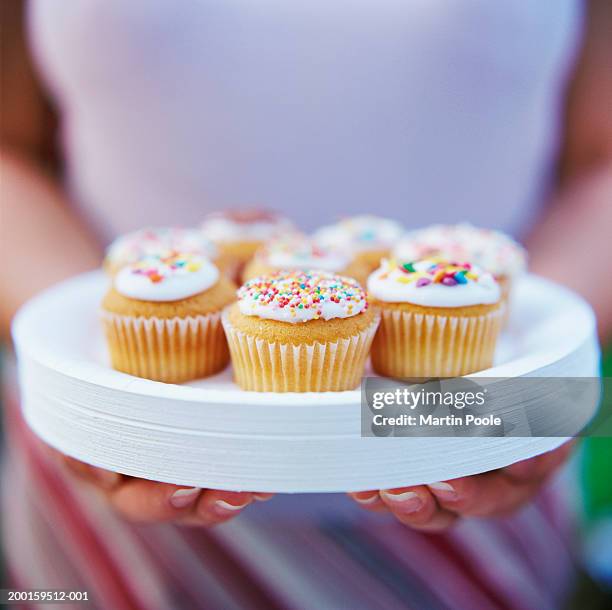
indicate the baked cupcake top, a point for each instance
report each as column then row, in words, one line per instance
column 492, row 250
column 433, row 283
column 248, row 224
column 131, row 247
column 360, row 233
column 171, row 276
column 300, row 252
column 300, row 296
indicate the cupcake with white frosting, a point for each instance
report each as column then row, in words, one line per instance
column 369, row 237
column 151, row 241
column 491, row 250
column 162, row 318
column 239, row 232
column 300, row 332
column 300, row 253
column 438, row 318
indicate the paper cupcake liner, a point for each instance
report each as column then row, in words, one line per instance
column 171, row 350
column 264, row 366
column 505, row 286
column 409, row 345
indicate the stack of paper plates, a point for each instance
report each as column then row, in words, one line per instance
column 211, row 434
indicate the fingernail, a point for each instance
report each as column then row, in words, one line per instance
column 367, row 499
column 444, row 491
column 224, row 507
column 406, row 501
column 184, row 497
column 263, row 497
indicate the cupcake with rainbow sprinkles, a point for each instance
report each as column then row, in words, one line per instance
column 162, row 318
column 491, row 250
column 438, row 318
column 150, row 241
column 369, row 237
column 300, row 331
column 298, row 252
column 239, row 232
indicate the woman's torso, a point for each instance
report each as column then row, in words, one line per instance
column 424, row 110
column 421, row 110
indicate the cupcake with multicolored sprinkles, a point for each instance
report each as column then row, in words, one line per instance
column 239, row 232
column 151, row 241
column 491, row 250
column 298, row 252
column 370, row 238
column 438, row 318
column 297, row 331
column 162, row 317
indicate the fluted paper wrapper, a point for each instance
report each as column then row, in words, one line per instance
column 410, row 345
column 505, row 286
column 171, row 350
column 264, row 366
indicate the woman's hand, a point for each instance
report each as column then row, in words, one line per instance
column 437, row 506
column 151, row 502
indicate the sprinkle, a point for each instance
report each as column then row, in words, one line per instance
column 438, row 276
column 132, row 247
column 430, row 271
column 156, row 268
column 304, row 290
column 460, row 277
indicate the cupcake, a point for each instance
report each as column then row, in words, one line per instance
column 238, row 233
column 438, row 319
column 300, row 253
column 369, row 237
column 132, row 247
column 162, row 318
column 491, row 250
column 296, row 331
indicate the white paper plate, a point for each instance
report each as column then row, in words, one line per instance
column 211, row 434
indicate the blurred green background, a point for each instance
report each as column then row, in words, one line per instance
column 597, row 463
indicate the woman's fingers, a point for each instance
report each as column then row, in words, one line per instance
column 436, row 506
column 216, row 506
column 150, row 502
column 484, row 495
column 370, row 500
column 417, row 508
column 501, row 491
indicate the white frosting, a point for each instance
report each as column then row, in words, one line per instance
column 279, row 297
column 245, row 226
column 300, row 252
column 328, row 312
column 166, row 279
column 492, row 250
column 391, row 284
column 131, row 247
column 360, row 233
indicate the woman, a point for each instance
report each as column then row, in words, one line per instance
column 423, row 111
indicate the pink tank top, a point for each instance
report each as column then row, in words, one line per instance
column 425, row 111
